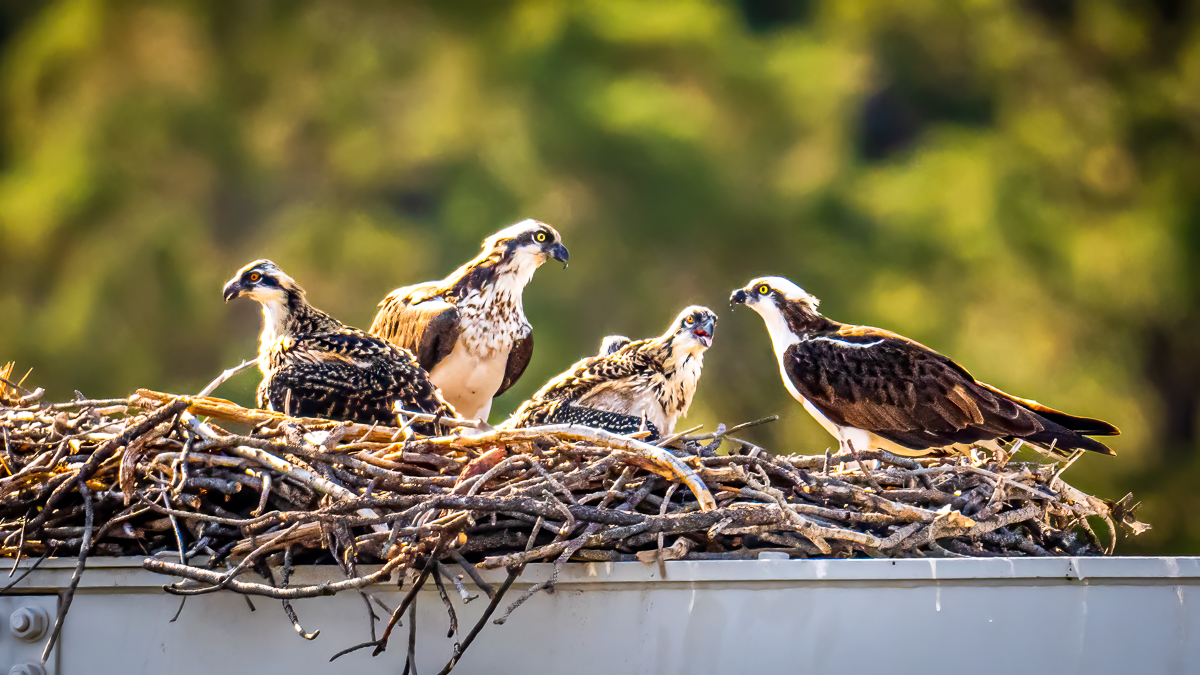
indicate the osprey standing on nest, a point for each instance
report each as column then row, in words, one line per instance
column 873, row 389
column 469, row 329
column 628, row 384
column 315, row 366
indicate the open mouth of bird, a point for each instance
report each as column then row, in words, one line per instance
column 703, row 336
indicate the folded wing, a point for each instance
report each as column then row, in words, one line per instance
column 425, row 325
column 349, row 376
column 911, row 395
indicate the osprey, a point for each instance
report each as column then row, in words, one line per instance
column 871, row 388
column 315, row 366
column 612, row 343
column 469, row 329
column 628, row 384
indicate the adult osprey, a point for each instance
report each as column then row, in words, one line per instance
column 315, row 366
column 469, row 329
column 872, row 388
column 628, row 384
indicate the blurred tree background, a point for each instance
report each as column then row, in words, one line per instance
column 1013, row 182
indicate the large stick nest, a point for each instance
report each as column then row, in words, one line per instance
column 245, row 492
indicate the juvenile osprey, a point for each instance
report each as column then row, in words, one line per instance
column 315, row 366
column 652, row 380
column 612, row 343
column 469, row 329
column 876, row 389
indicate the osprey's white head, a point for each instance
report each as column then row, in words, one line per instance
column 506, row 263
column 262, row 281
column 280, row 296
column 692, row 331
column 785, row 307
column 523, row 247
column 775, row 291
column 285, row 309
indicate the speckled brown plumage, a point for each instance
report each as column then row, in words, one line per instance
column 652, row 380
column 905, row 396
column 469, row 330
column 315, row 366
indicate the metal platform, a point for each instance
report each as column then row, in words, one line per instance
column 1051, row 615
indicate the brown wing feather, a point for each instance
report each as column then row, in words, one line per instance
column 518, row 359
column 909, row 394
column 348, row 375
column 583, row 377
column 1084, row 425
column 410, row 318
column 901, row 390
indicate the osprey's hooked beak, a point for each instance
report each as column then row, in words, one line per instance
column 739, row 297
column 559, row 253
column 234, row 289
column 704, row 332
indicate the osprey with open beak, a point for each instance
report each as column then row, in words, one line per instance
column 469, row 330
column 628, row 384
column 315, row 366
column 873, row 389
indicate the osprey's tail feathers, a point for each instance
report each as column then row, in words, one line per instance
column 1088, row 426
column 1064, row 441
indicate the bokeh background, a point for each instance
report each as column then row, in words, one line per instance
column 1013, row 182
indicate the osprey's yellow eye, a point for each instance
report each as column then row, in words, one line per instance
column 690, row 321
column 764, row 289
column 540, row 236
column 254, row 277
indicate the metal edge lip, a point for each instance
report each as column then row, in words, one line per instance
column 116, row 573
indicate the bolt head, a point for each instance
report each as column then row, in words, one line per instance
column 27, row 669
column 28, row 623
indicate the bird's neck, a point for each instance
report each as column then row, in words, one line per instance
column 683, row 359
column 508, row 285
column 491, row 277
column 802, row 319
column 501, row 272
column 791, row 324
column 491, row 311
column 489, row 295
column 673, row 355
column 681, row 367
column 288, row 314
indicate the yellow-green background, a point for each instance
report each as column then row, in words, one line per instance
column 1013, row 182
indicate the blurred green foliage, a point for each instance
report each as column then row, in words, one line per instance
column 1013, row 182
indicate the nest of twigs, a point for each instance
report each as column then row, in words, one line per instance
column 224, row 497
